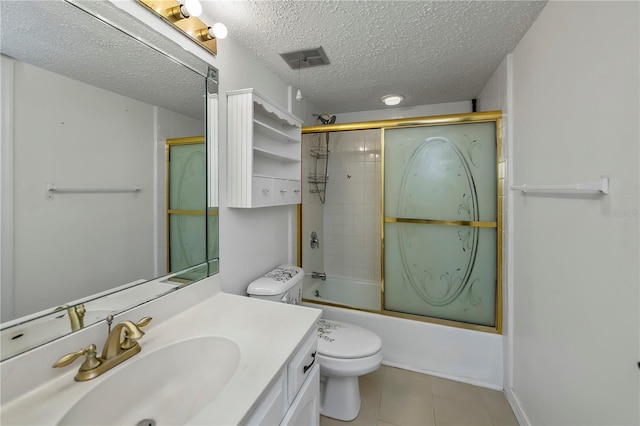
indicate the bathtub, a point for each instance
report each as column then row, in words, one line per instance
column 455, row 353
column 349, row 292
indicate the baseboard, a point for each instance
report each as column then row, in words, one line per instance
column 516, row 406
column 444, row 376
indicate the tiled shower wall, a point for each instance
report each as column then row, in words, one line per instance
column 350, row 241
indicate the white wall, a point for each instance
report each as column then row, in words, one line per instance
column 405, row 112
column 252, row 241
column 575, row 277
column 75, row 146
column 497, row 95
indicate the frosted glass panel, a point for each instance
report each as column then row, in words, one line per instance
column 441, row 271
column 441, row 172
column 187, row 243
column 187, row 177
column 187, row 202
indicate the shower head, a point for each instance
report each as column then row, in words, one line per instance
column 325, row 118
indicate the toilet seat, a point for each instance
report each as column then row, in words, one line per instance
column 354, row 367
column 346, row 341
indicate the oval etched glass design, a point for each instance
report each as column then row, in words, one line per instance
column 438, row 181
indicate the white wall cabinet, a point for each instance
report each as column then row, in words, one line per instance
column 264, row 152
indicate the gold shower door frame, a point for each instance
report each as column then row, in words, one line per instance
column 475, row 117
column 191, row 140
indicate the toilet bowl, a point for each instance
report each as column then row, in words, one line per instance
column 345, row 351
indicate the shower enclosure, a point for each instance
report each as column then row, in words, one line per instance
column 412, row 221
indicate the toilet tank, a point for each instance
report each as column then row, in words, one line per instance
column 282, row 284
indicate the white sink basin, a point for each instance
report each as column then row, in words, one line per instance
column 169, row 385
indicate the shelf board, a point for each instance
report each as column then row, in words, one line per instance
column 273, row 133
column 293, row 179
column 275, row 156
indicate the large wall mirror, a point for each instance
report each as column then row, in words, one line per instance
column 104, row 168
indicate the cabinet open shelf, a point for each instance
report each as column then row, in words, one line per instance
column 274, row 155
column 273, row 133
column 264, row 154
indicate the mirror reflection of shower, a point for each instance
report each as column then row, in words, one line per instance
column 320, row 153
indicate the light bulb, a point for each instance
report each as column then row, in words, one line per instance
column 219, row 30
column 299, row 95
column 191, row 8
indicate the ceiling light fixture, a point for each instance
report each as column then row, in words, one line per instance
column 187, row 9
column 392, row 100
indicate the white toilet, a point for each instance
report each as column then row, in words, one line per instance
column 345, row 351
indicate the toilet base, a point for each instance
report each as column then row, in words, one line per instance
column 340, row 397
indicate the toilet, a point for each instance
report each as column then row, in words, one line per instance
column 345, row 351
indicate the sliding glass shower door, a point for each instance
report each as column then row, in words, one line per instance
column 441, row 216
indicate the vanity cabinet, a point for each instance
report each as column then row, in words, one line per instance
column 264, row 152
column 293, row 398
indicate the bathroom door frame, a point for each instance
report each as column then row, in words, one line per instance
column 472, row 117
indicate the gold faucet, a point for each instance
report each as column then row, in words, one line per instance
column 76, row 315
column 121, row 345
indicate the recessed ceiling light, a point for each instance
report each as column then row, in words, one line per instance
column 392, row 99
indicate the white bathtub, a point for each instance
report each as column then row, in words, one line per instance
column 350, row 292
column 464, row 355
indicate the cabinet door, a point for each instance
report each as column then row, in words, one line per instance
column 261, row 191
column 305, row 409
column 271, row 407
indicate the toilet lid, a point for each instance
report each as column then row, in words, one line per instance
column 343, row 340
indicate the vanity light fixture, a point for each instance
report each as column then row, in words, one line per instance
column 186, row 10
column 218, row 31
column 392, row 100
column 183, row 16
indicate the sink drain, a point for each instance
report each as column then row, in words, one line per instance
column 146, row 422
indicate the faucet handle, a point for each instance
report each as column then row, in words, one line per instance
column 91, row 361
column 144, row 322
column 129, row 341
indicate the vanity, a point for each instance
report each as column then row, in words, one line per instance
column 226, row 360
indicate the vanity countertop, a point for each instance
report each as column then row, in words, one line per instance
column 267, row 334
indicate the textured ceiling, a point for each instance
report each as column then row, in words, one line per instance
column 429, row 51
column 63, row 39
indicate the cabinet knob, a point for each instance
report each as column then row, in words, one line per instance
column 265, row 191
column 296, row 190
column 283, row 191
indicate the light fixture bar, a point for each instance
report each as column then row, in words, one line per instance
column 182, row 15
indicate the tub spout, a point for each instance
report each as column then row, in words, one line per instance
column 320, row 275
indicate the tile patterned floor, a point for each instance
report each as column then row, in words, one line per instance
column 395, row 397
